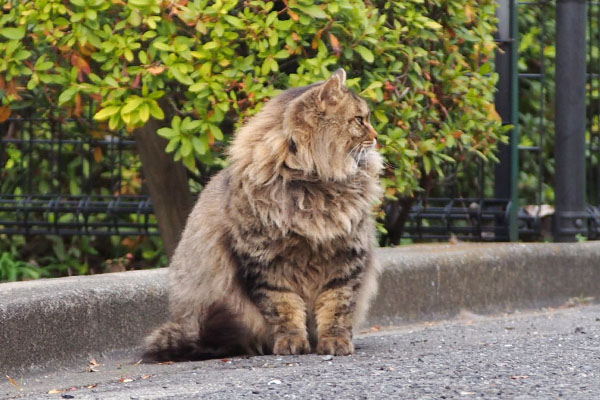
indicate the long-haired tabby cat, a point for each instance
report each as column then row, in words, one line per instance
column 277, row 255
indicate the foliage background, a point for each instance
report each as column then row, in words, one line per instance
column 426, row 66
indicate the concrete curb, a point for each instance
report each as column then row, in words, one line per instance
column 55, row 322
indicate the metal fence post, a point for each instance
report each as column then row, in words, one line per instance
column 507, row 104
column 569, row 148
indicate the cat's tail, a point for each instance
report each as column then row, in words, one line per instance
column 220, row 334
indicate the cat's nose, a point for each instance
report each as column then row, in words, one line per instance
column 372, row 133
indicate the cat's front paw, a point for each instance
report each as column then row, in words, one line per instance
column 291, row 344
column 335, row 345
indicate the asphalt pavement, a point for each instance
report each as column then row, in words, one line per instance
column 549, row 354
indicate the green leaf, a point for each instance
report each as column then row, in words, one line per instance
column 144, row 112
column 13, row 33
column 190, row 162
column 427, row 164
column 155, row 110
column 131, row 104
column 181, row 77
column 272, row 17
column 282, row 54
column 162, row 46
column 106, row 113
column 21, row 55
column 74, row 187
column 114, row 122
column 431, row 24
column 365, row 53
column 216, row 131
column 314, row 11
column 198, row 86
column 44, row 66
column 111, row 81
column 235, row 21
column 167, row 133
column 186, row 147
column 140, row 3
column 201, row 146
column 176, row 123
column 173, row 144
column 210, row 46
column 67, row 95
column 219, row 29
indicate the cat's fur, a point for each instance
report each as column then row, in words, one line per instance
column 277, row 254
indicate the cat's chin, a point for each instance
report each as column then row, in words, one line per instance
column 368, row 154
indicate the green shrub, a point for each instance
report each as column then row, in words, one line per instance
column 425, row 65
column 12, row 269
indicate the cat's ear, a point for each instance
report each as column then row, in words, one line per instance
column 331, row 92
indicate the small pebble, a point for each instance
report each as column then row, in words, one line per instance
column 274, row 382
column 327, row 358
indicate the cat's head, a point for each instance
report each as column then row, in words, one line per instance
column 329, row 130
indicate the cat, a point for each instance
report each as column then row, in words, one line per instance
column 277, row 256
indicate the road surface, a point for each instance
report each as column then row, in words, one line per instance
column 547, row 354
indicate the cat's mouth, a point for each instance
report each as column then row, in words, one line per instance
column 359, row 151
column 369, row 143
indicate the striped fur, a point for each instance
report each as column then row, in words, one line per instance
column 277, row 254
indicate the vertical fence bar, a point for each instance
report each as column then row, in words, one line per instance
column 569, row 150
column 506, row 172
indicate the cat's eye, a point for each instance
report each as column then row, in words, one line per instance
column 359, row 120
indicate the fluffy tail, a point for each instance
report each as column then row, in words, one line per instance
column 221, row 334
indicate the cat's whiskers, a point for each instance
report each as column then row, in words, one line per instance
column 353, row 155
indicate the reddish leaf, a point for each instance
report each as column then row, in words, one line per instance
column 156, row 70
column 136, row 81
column 15, row 384
column 4, row 113
column 97, row 157
column 13, row 90
column 80, row 63
column 293, row 15
column 335, row 44
column 78, row 110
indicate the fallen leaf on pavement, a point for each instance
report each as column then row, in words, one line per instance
column 165, row 363
column 519, row 377
column 54, row 391
column 93, row 366
column 15, row 383
column 92, row 386
column 146, row 376
column 126, row 380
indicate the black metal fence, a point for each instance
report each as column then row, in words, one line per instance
column 64, row 176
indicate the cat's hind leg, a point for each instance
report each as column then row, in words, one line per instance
column 221, row 332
